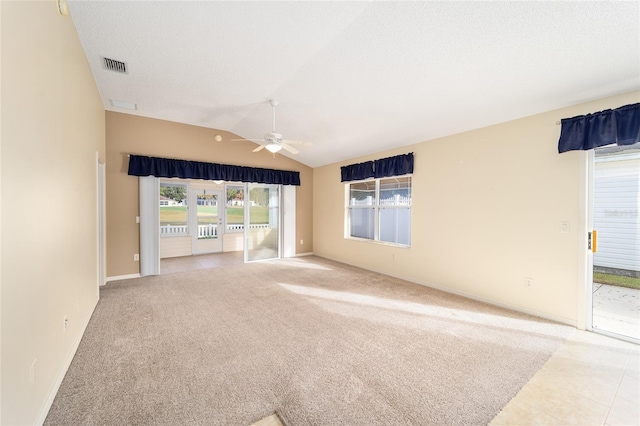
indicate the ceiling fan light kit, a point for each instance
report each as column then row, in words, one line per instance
column 273, row 147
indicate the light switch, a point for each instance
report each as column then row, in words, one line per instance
column 565, row 227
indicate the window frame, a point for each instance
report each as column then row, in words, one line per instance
column 377, row 207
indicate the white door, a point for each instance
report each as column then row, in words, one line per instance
column 207, row 216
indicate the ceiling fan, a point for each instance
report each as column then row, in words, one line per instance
column 273, row 141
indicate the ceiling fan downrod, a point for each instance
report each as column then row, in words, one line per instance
column 274, row 104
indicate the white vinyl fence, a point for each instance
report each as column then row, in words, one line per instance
column 396, row 200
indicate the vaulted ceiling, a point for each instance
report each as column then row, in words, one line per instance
column 355, row 78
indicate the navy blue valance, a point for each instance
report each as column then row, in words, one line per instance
column 620, row 126
column 385, row 167
column 358, row 171
column 393, row 166
column 140, row 165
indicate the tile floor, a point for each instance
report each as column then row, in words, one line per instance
column 591, row 380
column 272, row 420
column 204, row 261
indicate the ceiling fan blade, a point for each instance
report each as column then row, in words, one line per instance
column 293, row 142
column 259, row 148
column 248, row 139
column 289, row 148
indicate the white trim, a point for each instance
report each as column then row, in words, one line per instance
column 616, row 335
column 46, row 405
column 584, row 312
column 309, row 253
column 149, row 225
column 516, row 308
column 288, row 216
column 122, row 277
column 379, row 242
column 101, row 219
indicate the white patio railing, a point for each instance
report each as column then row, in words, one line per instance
column 240, row 227
column 206, row 231
column 173, row 229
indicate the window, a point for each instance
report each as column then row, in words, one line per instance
column 235, row 208
column 173, row 209
column 380, row 210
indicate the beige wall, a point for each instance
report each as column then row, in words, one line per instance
column 130, row 134
column 487, row 207
column 0, row 213
column 52, row 127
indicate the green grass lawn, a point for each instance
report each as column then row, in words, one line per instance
column 235, row 215
column 177, row 215
column 207, row 215
column 208, row 210
column 618, row 280
column 173, row 215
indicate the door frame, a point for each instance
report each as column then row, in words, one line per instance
column 585, row 259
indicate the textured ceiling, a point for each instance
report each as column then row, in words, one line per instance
column 357, row 78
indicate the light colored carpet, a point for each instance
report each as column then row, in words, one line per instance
column 316, row 341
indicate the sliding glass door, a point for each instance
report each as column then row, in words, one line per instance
column 262, row 222
column 615, row 241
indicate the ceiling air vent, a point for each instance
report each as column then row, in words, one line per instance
column 113, row 65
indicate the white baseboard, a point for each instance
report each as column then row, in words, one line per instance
column 310, row 253
column 122, row 277
column 46, row 406
column 516, row 308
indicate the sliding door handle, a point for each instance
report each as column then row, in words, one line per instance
column 593, row 241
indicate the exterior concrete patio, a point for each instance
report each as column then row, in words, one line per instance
column 616, row 310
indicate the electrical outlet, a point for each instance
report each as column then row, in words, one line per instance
column 32, row 372
column 65, row 323
column 137, row 219
column 136, row 257
column 301, row 242
column 528, row 282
